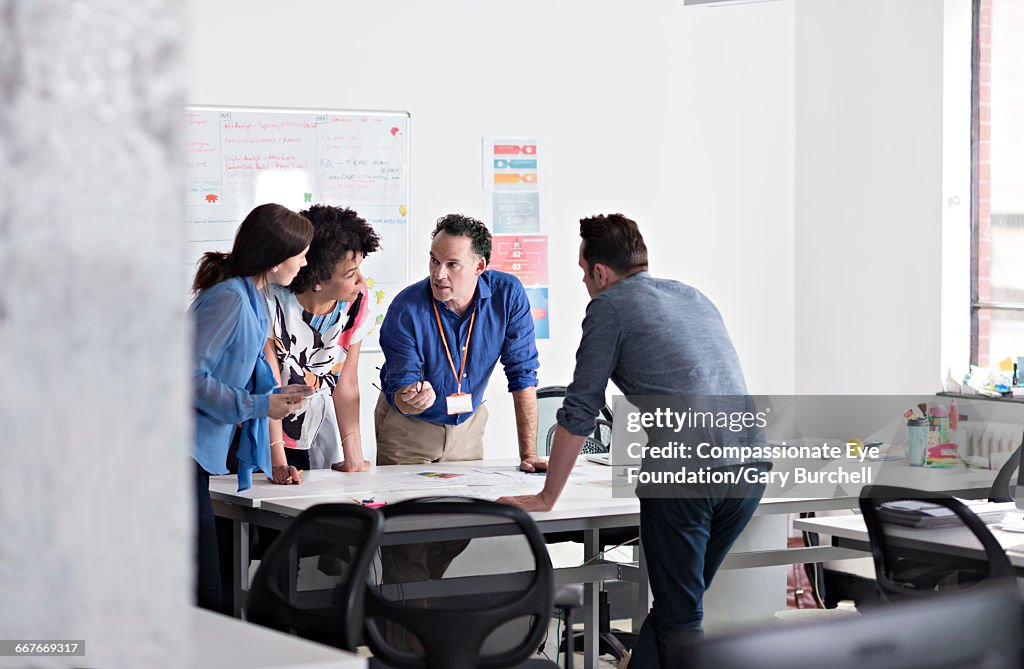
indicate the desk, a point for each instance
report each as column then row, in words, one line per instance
column 220, row 642
column 761, row 549
column 849, row 532
column 583, row 507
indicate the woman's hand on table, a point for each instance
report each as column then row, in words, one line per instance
column 286, row 475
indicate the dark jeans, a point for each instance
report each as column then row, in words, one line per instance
column 685, row 541
column 208, row 580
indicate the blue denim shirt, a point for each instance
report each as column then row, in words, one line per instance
column 230, row 384
column 503, row 329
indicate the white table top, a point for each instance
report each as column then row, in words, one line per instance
column 220, row 642
column 853, row 528
column 587, row 494
column 405, row 483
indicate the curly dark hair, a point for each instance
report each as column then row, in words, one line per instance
column 337, row 231
column 458, row 225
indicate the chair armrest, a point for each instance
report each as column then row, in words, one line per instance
column 569, row 596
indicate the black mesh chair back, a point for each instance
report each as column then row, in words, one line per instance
column 949, row 550
column 1004, row 488
column 464, row 583
column 549, row 401
column 599, row 442
column 312, row 579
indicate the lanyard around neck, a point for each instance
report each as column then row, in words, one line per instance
column 448, row 352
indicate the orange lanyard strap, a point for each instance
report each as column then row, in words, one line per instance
column 448, row 352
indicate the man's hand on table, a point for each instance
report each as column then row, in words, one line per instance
column 533, row 463
column 353, row 466
column 538, row 502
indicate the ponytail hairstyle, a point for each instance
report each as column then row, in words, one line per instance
column 268, row 236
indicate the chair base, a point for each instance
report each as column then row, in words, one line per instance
column 612, row 642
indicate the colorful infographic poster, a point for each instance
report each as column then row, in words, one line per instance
column 526, row 257
column 513, row 165
column 516, row 191
column 539, row 308
column 515, row 213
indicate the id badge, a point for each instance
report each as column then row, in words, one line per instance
column 460, row 403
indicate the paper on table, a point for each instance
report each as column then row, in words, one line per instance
column 486, row 479
column 494, row 492
column 402, row 495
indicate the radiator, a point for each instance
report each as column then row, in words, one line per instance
column 989, row 440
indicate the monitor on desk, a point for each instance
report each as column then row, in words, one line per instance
column 965, row 630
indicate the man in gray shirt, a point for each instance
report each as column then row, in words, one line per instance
column 652, row 337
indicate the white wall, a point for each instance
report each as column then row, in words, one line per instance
column 94, row 407
column 869, row 195
column 679, row 117
column 955, row 322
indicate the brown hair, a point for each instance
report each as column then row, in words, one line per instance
column 615, row 241
column 268, row 236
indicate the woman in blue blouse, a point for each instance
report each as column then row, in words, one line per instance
column 233, row 385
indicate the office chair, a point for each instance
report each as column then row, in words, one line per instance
column 343, row 539
column 478, row 595
column 902, row 572
column 1004, row 488
column 549, row 401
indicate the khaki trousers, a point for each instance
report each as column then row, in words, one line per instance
column 403, row 440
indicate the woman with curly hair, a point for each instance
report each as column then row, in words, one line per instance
column 316, row 329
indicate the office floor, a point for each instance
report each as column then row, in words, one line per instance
column 604, row 662
column 554, row 632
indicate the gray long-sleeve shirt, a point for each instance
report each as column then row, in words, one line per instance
column 651, row 337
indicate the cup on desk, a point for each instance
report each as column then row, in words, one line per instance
column 917, row 444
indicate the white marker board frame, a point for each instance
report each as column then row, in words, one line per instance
column 240, row 157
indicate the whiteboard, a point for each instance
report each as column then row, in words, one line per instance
column 240, row 157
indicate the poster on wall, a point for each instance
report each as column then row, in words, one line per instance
column 539, row 310
column 526, row 257
column 516, row 189
column 513, row 165
column 514, row 213
column 237, row 158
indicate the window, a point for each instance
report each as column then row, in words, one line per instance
column 997, row 174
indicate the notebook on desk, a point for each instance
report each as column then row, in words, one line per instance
column 925, row 515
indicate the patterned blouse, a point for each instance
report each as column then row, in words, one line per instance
column 312, row 350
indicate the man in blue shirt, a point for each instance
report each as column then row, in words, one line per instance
column 441, row 339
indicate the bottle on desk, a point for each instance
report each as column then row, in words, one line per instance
column 939, row 419
column 917, row 441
